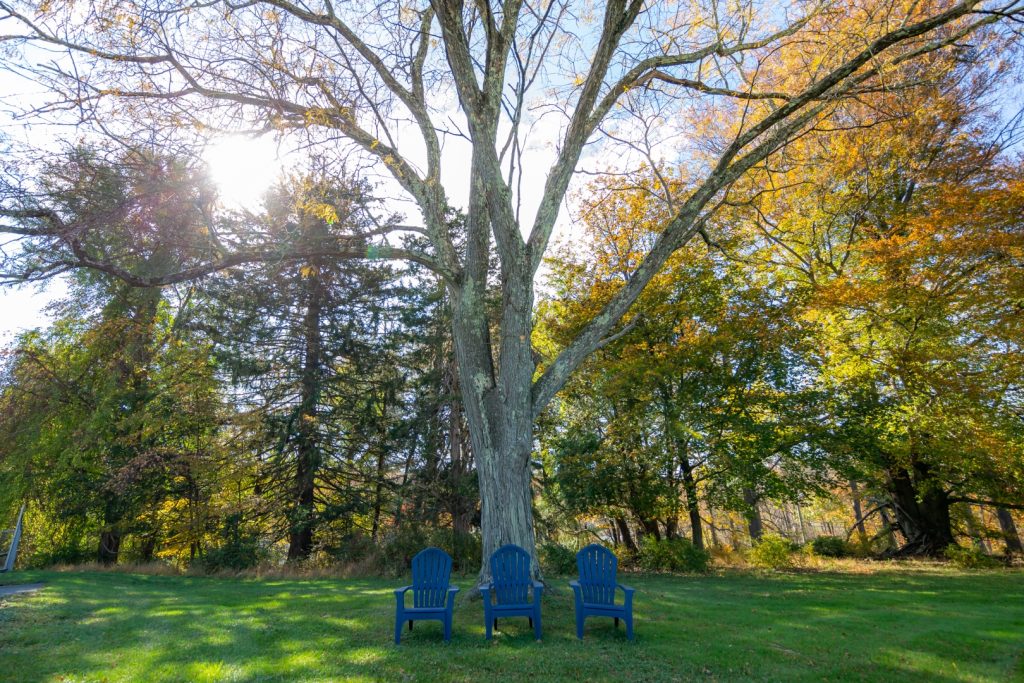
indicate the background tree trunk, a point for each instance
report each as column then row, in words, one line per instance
column 307, row 447
column 1009, row 529
column 858, row 515
column 692, row 503
column 755, row 527
column 627, row 535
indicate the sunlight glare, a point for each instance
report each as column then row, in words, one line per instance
column 243, row 169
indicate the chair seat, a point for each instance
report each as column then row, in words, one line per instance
column 423, row 611
column 526, row 609
column 604, row 609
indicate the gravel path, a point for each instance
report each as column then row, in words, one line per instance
column 20, row 588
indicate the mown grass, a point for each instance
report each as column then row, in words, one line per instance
column 909, row 624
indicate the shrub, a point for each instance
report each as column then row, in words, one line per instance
column 557, row 560
column 771, row 552
column 673, row 554
column 970, row 557
column 831, row 546
column 239, row 548
column 465, row 548
column 352, row 548
column 396, row 552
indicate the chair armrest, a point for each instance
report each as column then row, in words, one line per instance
column 400, row 596
column 628, row 601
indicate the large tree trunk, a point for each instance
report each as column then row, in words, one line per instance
column 922, row 511
column 498, row 405
column 1009, row 529
column 506, row 504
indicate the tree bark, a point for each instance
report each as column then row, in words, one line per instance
column 1009, row 529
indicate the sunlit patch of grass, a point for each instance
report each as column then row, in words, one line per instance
column 901, row 623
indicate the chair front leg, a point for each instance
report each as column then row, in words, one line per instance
column 628, row 609
column 578, row 595
column 485, row 593
column 449, row 613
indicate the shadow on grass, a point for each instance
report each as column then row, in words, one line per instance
column 94, row 626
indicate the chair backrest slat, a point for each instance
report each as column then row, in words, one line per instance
column 431, row 570
column 511, row 576
column 597, row 566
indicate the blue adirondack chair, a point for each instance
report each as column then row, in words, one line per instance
column 511, row 581
column 432, row 597
column 595, row 590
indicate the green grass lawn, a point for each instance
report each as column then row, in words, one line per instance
column 913, row 624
